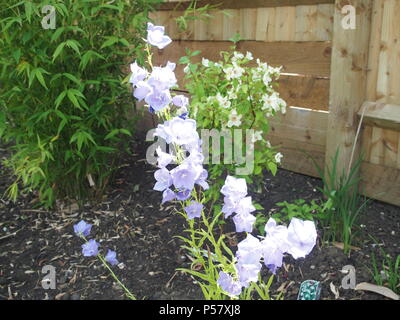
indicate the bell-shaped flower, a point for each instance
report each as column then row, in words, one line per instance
column 194, row 210
column 302, row 237
column 226, row 282
column 142, row 90
column 163, row 178
column 138, row 73
column 244, row 222
column 156, row 36
column 158, row 100
column 234, row 187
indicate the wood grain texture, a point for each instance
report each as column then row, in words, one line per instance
column 305, row 91
column 381, row 114
column 240, row 4
column 348, row 82
column 381, row 182
column 306, row 58
column 282, row 23
column 389, row 67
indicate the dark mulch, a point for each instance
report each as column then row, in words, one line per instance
column 131, row 221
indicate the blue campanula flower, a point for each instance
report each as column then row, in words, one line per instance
column 244, row 222
column 143, row 89
column 249, row 250
column 168, row 195
column 163, row 178
column 111, row 257
column 226, row 282
column 302, row 237
column 179, row 131
column 183, row 194
column 180, row 101
column 82, row 228
column 138, row 74
column 248, row 272
column 234, row 187
column 245, row 206
column 158, row 100
column 164, row 158
column 90, row 248
column 185, row 176
column 162, row 78
column 194, row 210
column 156, row 36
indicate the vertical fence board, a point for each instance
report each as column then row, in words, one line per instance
column 285, row 21
column 348, row 82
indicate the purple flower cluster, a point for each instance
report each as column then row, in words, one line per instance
column 91, row 248
column 298, row 239
column 154, row 88
column 236, row 201
column 178, row 183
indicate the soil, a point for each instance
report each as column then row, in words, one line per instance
column 131, row 221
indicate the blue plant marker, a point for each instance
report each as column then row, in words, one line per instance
column 309, row 290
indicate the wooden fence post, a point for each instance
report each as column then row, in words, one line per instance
column 348, row 81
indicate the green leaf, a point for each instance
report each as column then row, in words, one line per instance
column 109, row 42
column 272, row 167
column 57, row 34
column 60, row 98
column 39, row 76
column 74, row 45
column 73, row 99
column 28, row 10
column 58, row 50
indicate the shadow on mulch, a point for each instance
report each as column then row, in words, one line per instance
column 131, row 221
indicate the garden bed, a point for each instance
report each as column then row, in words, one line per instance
column 131, row 221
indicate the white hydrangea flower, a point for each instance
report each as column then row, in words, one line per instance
column 234, row 119
column 233, row 72
column 238, row 55
column 205, row 62
column 278, row 157
column 272, row 102
column 223, row 101
column 267, row 79
column 249, row 56
column 186, row 69
column 232, row 94
column 268, row 144
column 257, row 136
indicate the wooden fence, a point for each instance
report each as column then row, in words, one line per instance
column 332, row 78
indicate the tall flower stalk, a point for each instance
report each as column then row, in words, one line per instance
column 181, row 177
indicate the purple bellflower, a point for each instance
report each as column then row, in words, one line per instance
column 90, row 248
column 82, row 228
column 111, row 257
column 156, row 36
column 194, row 210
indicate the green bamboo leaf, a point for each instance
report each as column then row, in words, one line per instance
column 74, row 45
column 28, row 10
column 72, row 78
column 109, row 42
column 57, row 34
column 39, row 77
column 60, row 98
column 58, row 50
column 71, row 96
